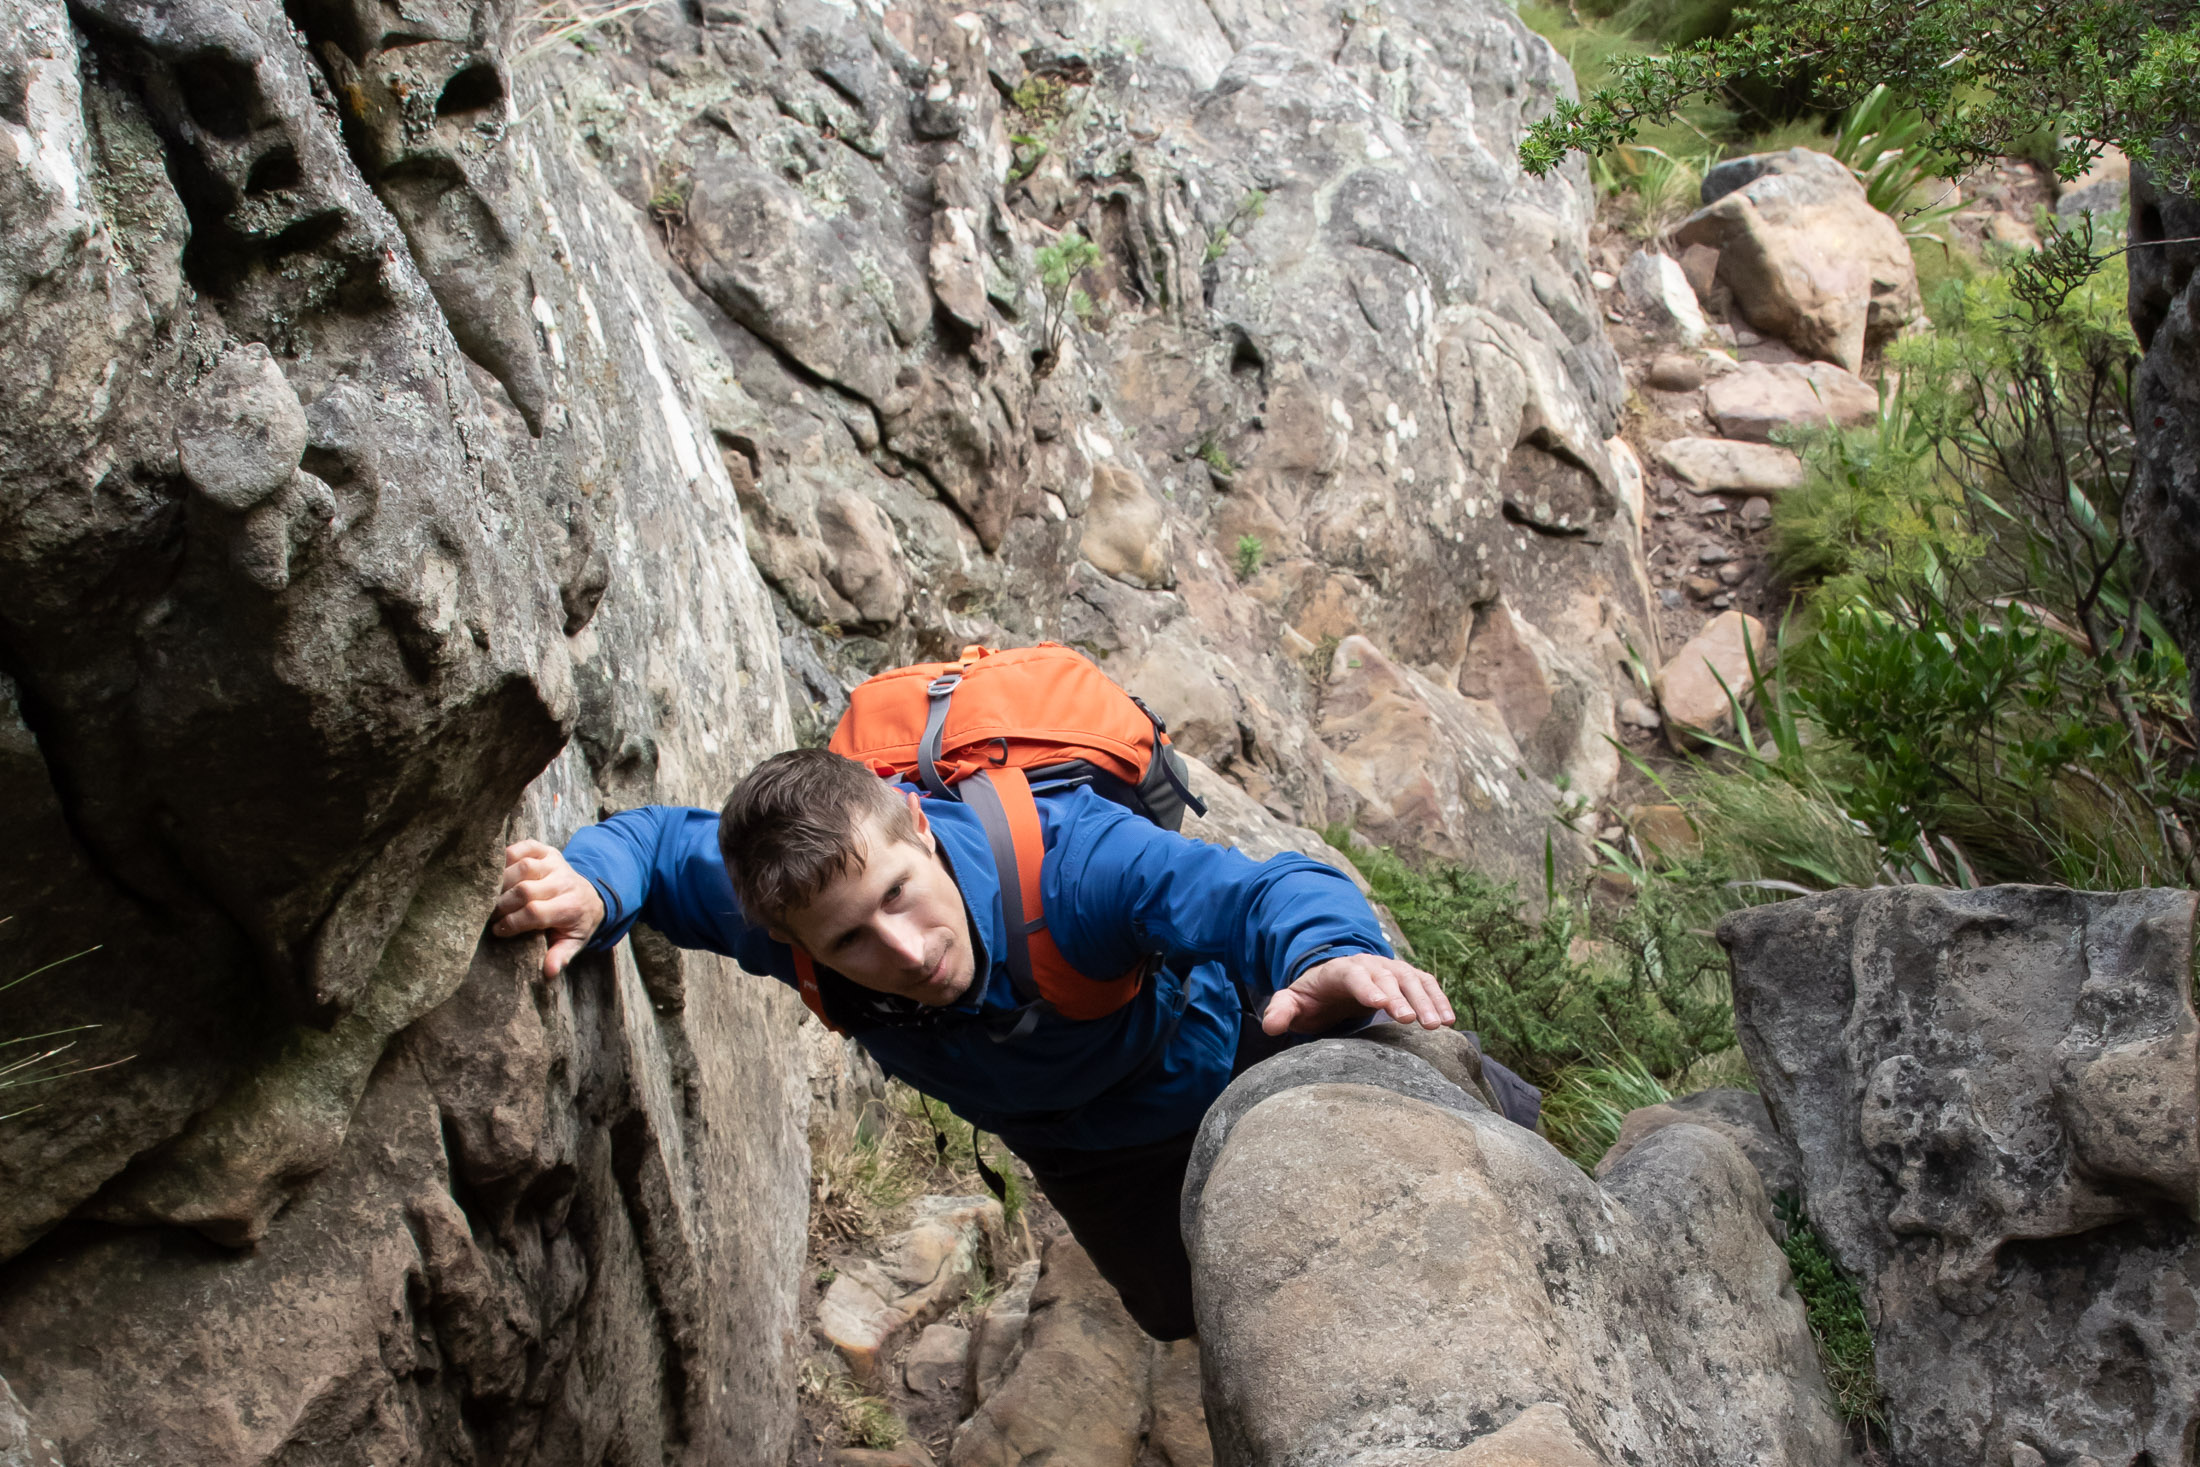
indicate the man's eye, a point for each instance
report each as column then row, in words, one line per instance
column 893, row 893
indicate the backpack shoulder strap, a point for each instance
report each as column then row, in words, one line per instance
column 805, row 972
column 1001, row 798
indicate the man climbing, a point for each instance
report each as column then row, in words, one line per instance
column 890, row 910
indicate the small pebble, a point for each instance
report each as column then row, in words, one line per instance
column 1714, row 555
column 1721, row 601
column 1612, row 832
column 1732, row 572
column 1668, row 597
column 1662, row 512
column 1603, row 280
column 1637, row 714
column 1701, row 586
column 1757, row 514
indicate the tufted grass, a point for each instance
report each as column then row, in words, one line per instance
column 1835, row 1309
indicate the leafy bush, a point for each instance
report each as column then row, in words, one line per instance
column 1639, row 987
column 1977, row 681
column 1250, row 553
column 1059, row 264
column 1987, row 76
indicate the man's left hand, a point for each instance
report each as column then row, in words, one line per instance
column 1343, row 988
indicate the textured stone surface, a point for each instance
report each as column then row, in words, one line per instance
column 1434, row 770
column 1764, row 398
column 359, row 465
column 1699, row 687
column 1653, row 282
column 2164, row 506
column 1724, row 466
column 1078, row 1394
column 21, row 1442
column 1443, row 1282
column 873, row 1304
column 1738, row 1115
column 1992, row 1093
column 936, row 1363
column 1808, row 258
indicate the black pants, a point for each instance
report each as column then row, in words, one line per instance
column 1122, row 1204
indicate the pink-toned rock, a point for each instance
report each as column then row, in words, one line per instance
column 872, row 1304
column 1693, row 687
column 1434, row 771
column 1809, row 260
column 1725, row 466
column 1761, row 398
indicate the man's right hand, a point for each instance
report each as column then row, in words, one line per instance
column 544, row 894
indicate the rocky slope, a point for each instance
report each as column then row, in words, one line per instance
column 424, row 427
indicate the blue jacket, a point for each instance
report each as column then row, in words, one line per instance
column 1117, row 890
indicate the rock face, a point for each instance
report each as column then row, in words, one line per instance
column 361, row 511
column 1761, row 399
column 1992, row 1093
column 1809, row 260
column 1723, row 466
column 1442, row 1282
column 1715, row 670
column 421, row 436
column 2166, row 398
column 1738, row 1115
column 1087, row 1388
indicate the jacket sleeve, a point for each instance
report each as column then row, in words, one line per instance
column 1118, row 888
column 661, row 865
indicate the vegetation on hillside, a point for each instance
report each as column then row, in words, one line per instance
column 1989, row 78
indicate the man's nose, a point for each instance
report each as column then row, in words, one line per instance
column 904, row 939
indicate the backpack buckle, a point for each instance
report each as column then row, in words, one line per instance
column 944, row 684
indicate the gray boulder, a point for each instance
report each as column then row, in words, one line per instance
column 1389, row 1273
column 1992, row 1093
column 1738, row 1115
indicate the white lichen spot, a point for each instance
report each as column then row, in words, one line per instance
column 589, row 318
column 548, row 320
column 678, row 426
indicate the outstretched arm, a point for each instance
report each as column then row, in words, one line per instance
column 1289, row 927
column 659, row 864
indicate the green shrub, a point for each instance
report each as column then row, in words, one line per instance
column 1987, row 77
column 1641, row 987
column 1250, row 553
column 1987, row 694
column 1061, row 300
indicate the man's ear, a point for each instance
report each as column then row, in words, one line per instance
column 916, row 815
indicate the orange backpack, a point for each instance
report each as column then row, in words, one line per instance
column 990, row 730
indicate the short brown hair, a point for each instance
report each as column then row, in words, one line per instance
column 792, row 827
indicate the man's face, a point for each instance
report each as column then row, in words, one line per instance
column 896, row 925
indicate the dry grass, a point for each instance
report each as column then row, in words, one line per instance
column 551, row 23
